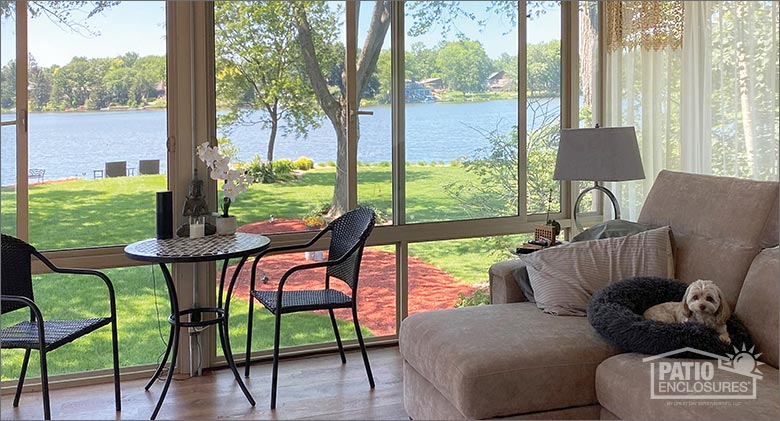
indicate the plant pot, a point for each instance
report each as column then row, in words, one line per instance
column 226, row 225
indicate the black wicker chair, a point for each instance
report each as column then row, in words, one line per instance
column 348, row 238
column 37, row 333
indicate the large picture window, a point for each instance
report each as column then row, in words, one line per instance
column 94, row 155
column 425, row 114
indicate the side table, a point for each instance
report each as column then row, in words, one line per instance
column 204, row 249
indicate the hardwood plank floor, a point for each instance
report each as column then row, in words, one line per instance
column 309, row 388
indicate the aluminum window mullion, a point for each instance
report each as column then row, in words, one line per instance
column 522, row 118
column 22, row 150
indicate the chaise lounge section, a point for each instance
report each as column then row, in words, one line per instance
column 511, row 360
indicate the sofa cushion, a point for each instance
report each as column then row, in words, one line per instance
column 504, row 359
column 565, row 277
column 719, row 224
column 758, row 305
column 623, row 388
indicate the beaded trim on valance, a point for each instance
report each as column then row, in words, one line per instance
column 646, row 24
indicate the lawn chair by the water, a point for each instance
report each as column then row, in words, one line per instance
column 36, row 173
column 116, row 169
column 148, row 166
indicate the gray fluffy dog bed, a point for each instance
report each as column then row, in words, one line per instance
column 616, row 314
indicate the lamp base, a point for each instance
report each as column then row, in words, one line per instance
column 602, row 189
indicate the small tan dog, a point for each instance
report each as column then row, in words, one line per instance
column 703, row 303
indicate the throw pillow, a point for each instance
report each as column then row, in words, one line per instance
column 564, row 278
column 611, row 229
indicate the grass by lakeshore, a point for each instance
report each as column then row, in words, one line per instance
column 82, row 213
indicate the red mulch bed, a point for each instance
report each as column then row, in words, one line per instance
column 430, row 288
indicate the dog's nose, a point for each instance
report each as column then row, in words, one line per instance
column 702, row 307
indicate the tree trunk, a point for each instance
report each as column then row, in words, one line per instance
column 340, row 202
column 746, row 82
column 334, row 108
column 272, row 138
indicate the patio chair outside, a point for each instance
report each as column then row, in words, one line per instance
column 37, row 333
column 116, row 169
column 148, row 166
column 348, row 238
column 37, row 174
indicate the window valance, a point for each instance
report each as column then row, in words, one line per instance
column 646, row 24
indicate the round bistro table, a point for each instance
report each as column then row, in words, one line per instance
column 204, row 249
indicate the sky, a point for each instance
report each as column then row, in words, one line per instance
column 139, row 26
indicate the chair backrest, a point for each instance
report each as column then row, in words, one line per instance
column 116, row 169
column 149, row 166
column 15, row 270
column 349, row 230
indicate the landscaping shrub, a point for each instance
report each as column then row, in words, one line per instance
column 258, row 171
column 283, row 170
column 480, row 297
column 303, row 164
column 381, row 215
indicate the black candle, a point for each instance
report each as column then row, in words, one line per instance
column 164, row 215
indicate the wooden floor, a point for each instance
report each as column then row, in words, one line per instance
column 309, row 388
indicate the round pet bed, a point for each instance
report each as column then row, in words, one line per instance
column 616, row 314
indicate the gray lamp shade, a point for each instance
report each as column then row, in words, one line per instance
column 600, row 154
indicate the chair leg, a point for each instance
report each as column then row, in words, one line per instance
column 362, row 347
column 249, row 334
column 274, row 379
column 338, row 337
column 115, row 349
column 45, row 386
column 21, row 378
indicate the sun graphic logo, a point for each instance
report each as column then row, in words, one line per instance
column 744, row 362
column 713, row 377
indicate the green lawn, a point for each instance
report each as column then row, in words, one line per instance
column 110, row 211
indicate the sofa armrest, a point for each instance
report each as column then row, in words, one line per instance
column 504, row 288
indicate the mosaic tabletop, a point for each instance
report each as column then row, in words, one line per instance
column 213, row 247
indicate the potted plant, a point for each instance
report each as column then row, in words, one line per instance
column 234, row 184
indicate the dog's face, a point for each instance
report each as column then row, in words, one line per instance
column 704, row 297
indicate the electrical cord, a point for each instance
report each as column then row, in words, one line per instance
column 164, row 373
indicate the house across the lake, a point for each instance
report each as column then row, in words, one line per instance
column 434, row 83
column 500, row 81
column 416, row 92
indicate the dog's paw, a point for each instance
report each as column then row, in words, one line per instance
column 725, row 339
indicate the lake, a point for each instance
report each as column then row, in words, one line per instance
column 76, row 143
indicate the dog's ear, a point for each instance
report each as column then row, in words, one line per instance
column 686, row 310
column 723, row 313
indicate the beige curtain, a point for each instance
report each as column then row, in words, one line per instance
column 708, row 104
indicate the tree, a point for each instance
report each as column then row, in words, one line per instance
column 40, row 85
column 421, row 62
column 61, row 12
column 464, row 65
column 8, row 85
column 425, row 16
column 311, row 15
column 258, row 68
column 544, row 68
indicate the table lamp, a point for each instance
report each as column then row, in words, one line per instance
column 598, row 154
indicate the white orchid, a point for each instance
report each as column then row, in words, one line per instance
column 207, row 153
column 235, row 182
column 220, row 168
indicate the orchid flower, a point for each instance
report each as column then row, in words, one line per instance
column 235, row 182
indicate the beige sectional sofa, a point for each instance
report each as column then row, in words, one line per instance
column 511, row 360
